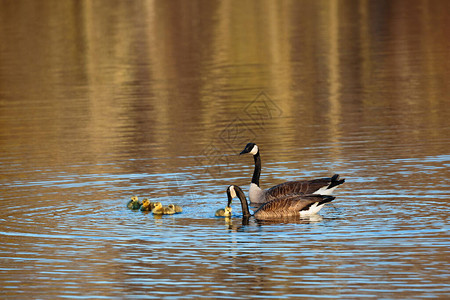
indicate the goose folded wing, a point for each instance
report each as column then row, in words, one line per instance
column 288, row 206
column 298, row 187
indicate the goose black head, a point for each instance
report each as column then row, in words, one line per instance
column 231, row 193
column 234, row 191
column 251, row 148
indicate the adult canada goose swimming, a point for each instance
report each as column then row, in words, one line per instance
column 223, row 212
column 286, row 206
column 134, row 203
column 321, row 186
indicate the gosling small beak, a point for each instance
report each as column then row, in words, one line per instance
column 228, row 208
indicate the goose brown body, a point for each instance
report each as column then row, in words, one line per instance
column 291, row 205
column 301, row 187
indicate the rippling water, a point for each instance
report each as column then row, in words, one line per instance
column 103, row 100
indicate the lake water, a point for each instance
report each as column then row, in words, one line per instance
column 103, row 100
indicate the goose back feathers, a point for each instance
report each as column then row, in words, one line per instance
column 321, row 186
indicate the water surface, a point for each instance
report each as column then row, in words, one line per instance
column 103, row 100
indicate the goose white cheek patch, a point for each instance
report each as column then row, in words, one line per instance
column 232, row 192
column 254, row 150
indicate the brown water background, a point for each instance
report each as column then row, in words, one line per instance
column 102, row 100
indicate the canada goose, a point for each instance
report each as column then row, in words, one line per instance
column 321, row 186
column 147, row 205
column 134, row 203
column 223, row 212
column 292, row 205
column 158, row 209
column 175, row 208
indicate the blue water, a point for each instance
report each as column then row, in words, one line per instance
column 100, row 102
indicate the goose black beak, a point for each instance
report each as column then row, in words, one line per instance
column 248, row 148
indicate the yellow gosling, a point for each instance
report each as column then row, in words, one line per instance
column 168, row 211
column 158, row 209
column 177, row 209
column 134, row 203
column 220, row 212
column 224, row 212
column 146, row 205
column 228, row 211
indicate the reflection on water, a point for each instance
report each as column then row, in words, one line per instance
column 103, row 100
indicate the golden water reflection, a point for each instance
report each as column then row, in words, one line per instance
column 133, row 70
column 100, row 100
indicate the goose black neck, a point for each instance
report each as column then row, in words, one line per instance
column 244, row 204
column 257, row 171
